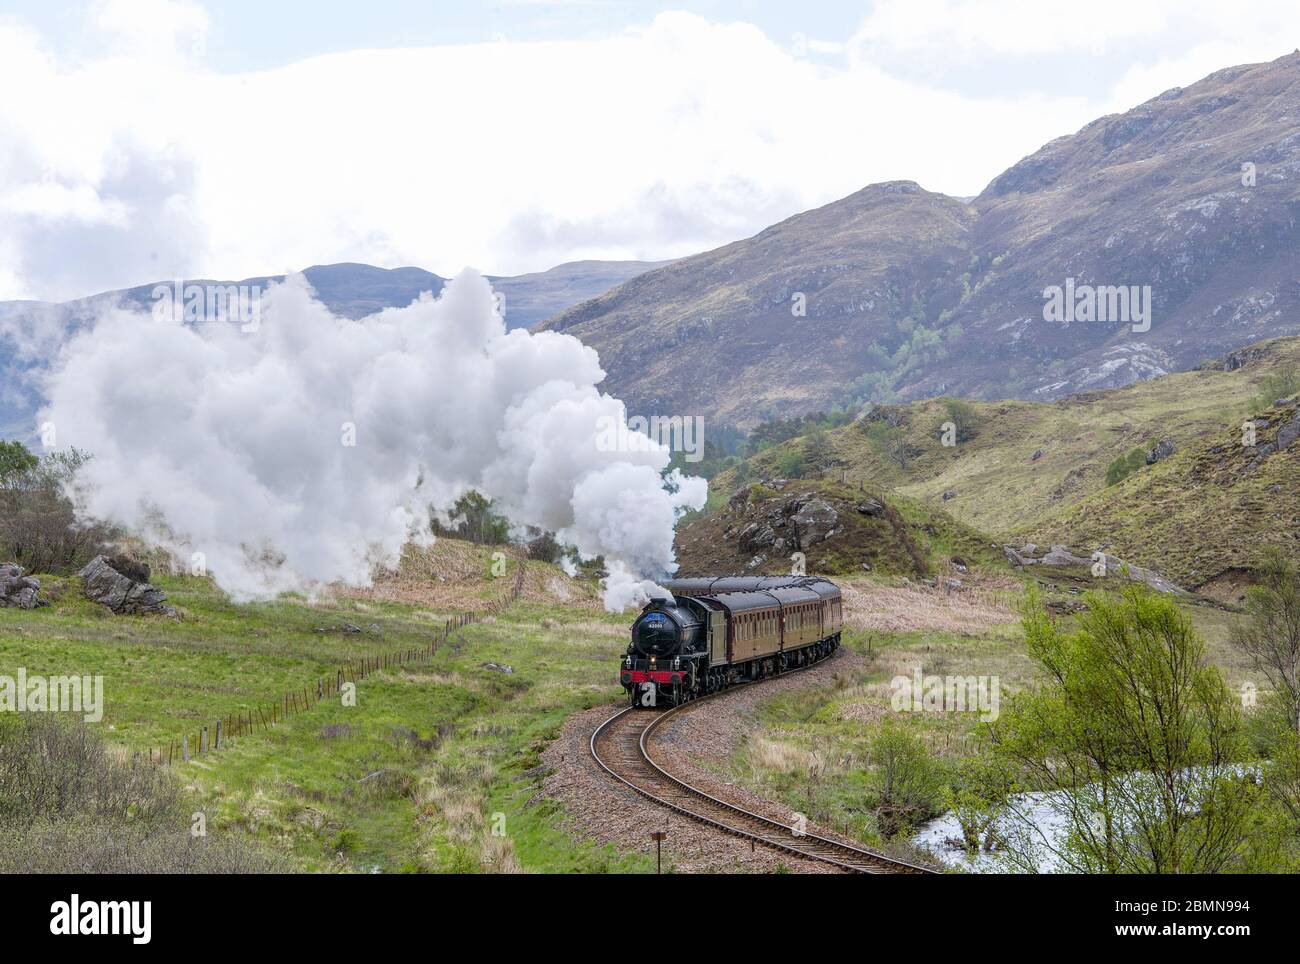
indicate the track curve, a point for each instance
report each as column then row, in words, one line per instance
column 622, row 747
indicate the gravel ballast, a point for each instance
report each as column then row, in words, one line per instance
column 602, row 810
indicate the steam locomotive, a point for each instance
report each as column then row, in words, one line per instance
column 713, row 633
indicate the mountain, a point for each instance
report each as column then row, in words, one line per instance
column 1192, row 198
column 351, row 290
column 859, row 262
column 533, row 298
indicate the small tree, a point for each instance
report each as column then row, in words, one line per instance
column 473, row 518
column 39, row 528
column 889, row 441
column 962, row 415
column 817, row 450
column 790, row 464
column 16, row 464
column 1137, row 738
column 1271, row 635
column 905, row 779
column 979, row 800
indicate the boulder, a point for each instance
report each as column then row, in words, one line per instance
column 116, row 583
column 755, row 536
column 950, row 494
column 1161, row 450
column 871, row 507
column 1061, row 556
column 815, row 521
column 18, row 591
column 1020, row 557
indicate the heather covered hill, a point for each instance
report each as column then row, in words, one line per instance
column 727, row 332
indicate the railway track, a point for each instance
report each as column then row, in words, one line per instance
column 621, row 746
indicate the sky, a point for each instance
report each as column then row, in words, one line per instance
column 151, row 139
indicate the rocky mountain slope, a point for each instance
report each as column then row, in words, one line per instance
column 1195, row 194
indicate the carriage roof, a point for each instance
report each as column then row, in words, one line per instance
column 711, row 586
column 742, row 602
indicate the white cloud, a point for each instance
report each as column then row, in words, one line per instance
column 512, row 156
column 980, row 29
column 151, row 28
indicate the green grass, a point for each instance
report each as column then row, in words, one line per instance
column 810, row 748
column 407, row 780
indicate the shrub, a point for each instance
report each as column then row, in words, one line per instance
column 69, row 805
column 962, row 415
column 1125, row 465
column 1281, row 384
column 39, row 528
column 905, row 779
column 790, row 465
column 474, row 519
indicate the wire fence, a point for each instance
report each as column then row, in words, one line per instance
column 206, row 739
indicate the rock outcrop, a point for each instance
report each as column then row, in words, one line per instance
column 1062, row 556
column 836, row 528
column 814, row 521
column 1161, row 450
column 19, row 591
column 123, row 586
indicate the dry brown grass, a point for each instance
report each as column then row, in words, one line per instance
column 763, row 754
column 453, row 799
column 449, row 575
column 977, row 606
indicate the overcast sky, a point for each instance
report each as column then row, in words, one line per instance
column 150, row 139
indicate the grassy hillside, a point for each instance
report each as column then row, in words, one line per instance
column 1037, row 471
column 410, row 778
column 1204, row 515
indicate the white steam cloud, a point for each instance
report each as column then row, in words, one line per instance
column 211, row 439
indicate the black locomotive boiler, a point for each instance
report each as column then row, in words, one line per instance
column 715, row 632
